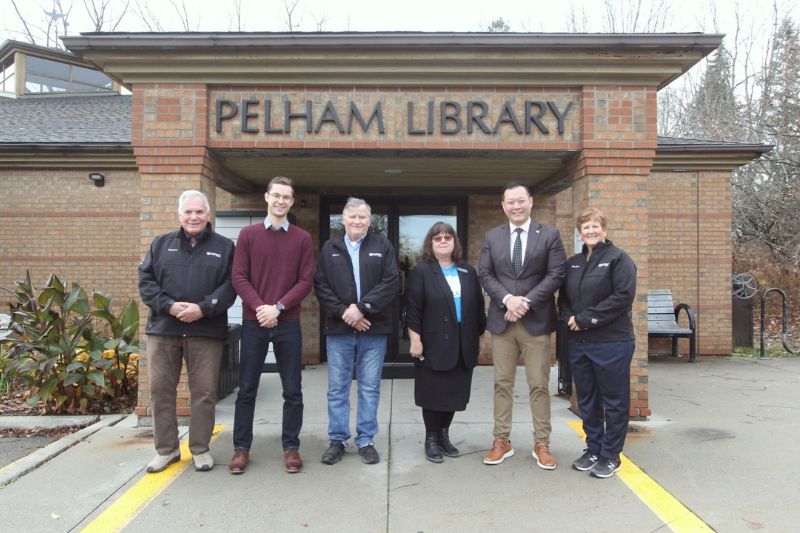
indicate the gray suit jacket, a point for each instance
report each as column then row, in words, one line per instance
column 542, row 275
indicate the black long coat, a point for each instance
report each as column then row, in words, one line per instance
column 431, row 312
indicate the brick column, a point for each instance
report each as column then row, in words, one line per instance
column 169, row 133
column 714, row 263
column 619, row 125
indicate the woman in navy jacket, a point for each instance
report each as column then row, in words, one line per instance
column 445, row 316
column 595, row 302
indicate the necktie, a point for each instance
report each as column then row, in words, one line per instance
column 516, row 257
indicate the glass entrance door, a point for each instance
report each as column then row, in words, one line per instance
column 404, row 221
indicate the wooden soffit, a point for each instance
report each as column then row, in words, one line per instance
column 395, row 58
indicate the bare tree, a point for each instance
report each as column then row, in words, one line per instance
column 236, row 17
column 183, row 15
column 147, row 17
column 319, row 21
column 289, row 7
column 100, row 12
column 24, row 22
column 632, row 16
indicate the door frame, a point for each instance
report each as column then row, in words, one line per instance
column 393, row 368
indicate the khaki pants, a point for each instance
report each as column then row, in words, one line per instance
column 515, row 341
column 165, row 355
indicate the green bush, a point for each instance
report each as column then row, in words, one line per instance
column 66, row 354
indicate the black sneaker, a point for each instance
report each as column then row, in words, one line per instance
column 605, row 467
column 333, row 454
column 369, row 455
column 585, row 462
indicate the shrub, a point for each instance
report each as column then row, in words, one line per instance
column 66, row 354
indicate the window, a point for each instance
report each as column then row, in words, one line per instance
column 7, row 75
column 47, row 76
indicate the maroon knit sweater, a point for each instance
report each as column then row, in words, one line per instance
column 273, row 266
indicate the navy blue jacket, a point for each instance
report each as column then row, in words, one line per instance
column 599, row 294
column 336, row 287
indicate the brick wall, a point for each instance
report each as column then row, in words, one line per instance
column 691, row 252
column 57, row 221
column 612, row 174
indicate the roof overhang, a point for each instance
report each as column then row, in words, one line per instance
column 710, row 155
column 66, row 155
column 395, row 58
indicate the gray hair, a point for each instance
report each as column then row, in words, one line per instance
column 356, row 202
column 185, row 195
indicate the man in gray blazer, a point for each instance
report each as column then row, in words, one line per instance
column 521, row 267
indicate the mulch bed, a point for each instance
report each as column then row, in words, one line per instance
column 16, row 404
column 54, row 433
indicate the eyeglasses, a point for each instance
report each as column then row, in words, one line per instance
column 440, row 238
column 276, row 197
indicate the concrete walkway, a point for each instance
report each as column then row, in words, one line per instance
column 722, row 442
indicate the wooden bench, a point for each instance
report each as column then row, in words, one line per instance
column 662, row 321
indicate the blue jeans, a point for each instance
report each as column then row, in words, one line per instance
column 366, row 353
column 286, row 339
column 602, row 374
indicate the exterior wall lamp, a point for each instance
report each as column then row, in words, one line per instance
column 98, row 179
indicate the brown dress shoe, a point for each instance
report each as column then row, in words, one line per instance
column 501, row 450
column 293, row 461
column 541, row 452
column 239, row 462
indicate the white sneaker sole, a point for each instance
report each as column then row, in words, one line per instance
column 536, row 457
column 605, row 476
column 505, row 456
column 156, row 469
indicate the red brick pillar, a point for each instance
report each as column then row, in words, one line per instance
column 619, row 125
column 169, row 135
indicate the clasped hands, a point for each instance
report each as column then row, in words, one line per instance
column 516, row 308
column 267, row 316
column 186, row 311
column 573, row 325
column 354, row 318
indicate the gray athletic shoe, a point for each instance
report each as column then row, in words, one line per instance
column 605, row 467
column 203, row 462
column 585, row 462
column 161, row 462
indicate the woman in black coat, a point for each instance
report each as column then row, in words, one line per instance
column 446, row 317
column 595, row 302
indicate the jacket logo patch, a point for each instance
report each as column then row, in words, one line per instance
column 575, row 266
column 172, row 249
column 375, row 254
column 594, row 321
column 464, row 270
column 215, row 254
column 601, row 265
column 336, row 255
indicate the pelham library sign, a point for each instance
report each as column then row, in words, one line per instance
column 394, row 115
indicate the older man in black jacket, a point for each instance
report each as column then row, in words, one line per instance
column 185, row 280
column 356, row 282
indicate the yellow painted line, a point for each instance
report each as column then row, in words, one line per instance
column 127, row 506
column 672, row 512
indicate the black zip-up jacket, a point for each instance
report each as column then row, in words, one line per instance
column 599, row 294
column 173, row 271
column 336, row 287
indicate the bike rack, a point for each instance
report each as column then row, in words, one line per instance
column 784, row 334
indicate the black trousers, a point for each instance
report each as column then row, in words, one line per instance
column 602, row 374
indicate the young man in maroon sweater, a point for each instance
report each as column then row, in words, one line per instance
column 273, row 270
